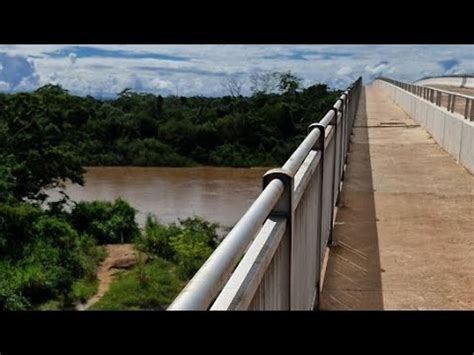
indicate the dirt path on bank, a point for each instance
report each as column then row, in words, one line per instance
column 119, row 256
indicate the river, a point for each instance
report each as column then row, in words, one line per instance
column 219, row 195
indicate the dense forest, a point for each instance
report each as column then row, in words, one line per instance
column 49, row 253
column 147, row 130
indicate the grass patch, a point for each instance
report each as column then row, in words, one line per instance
column 84, row 289
column 175, row 252
column 150, row 286
column 52, row 305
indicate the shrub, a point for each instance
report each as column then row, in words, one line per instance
column 129, row 292
column 106, row 222
column 84, row 289
column 206, row 229
column 155, row 239
column 16, row 220
column 44, row 262
column 43, row 273
column 188, row 244
column 11, row 297
column 191, row 251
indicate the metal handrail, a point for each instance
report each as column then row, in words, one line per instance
column 470, row 97
column 434, row 96
column 210, row 279
column 468, row 75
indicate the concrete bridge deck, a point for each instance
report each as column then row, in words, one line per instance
column 405, row 228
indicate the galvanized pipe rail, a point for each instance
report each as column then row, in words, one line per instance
column 272, row 258
column 435, row 96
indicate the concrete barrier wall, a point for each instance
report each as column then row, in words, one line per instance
column 450, row 130
column 466, row 82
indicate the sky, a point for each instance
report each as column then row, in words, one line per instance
column 186, row 70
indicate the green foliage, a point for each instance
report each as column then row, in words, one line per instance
column 16, row 221
column 175, row 252
column 106, row 222
column 42, row 256
column 187, row 245
column 288, row 82
column 156, row 238
column 200, row 227
column 191, row 251
column 11, row 297
column 152, row 152
column 84, row 289
column 129, row 292
column 37, row 141
column 49, row 134
column 51, row 305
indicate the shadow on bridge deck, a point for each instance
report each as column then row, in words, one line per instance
column 353, row 274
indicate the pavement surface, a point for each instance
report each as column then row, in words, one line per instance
column 405, row 227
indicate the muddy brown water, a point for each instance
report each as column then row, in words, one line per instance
column 219, row 195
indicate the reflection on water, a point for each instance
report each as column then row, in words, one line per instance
column 218, row 194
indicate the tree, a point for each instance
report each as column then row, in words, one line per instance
column 233, row 86
column 35, row 142
column 263, row 82
column 288, row 83
column 106, row 222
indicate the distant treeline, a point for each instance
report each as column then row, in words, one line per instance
column 147, row 130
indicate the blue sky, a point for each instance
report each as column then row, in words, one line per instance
column 104, row 70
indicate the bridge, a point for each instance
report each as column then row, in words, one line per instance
column 374, row 210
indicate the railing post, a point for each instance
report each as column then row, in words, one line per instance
column 319, row 146
column 334, row 177
column 341, row 128
column 472, row 110
column 284, row 208
column 343, row 136
column 347, row 126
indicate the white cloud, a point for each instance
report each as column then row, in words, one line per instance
column 344, row 71
column 4, row 86
column 206, row 65
column 18, row 72
column 159, row 84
